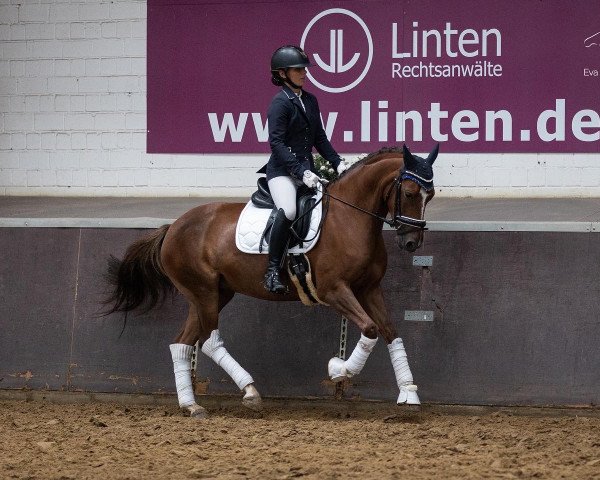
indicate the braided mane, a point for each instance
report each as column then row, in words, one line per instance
column 371, row 158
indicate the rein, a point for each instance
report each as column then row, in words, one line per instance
column 374, row 215
column 398, row 221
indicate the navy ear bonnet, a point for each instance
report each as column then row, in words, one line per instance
column 417, row 169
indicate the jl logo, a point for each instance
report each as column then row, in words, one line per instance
column 338, row 63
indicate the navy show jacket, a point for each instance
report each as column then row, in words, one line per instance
column 293, row 133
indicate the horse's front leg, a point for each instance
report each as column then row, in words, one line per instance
column 374, row 304
column 343, row 300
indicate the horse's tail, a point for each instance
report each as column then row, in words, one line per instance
column 139, row 279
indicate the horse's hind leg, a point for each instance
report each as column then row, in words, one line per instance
column 214, row 348
column 181, row 353
column 202, row 326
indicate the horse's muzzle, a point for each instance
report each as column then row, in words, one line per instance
column 409, row 241
column 411, row 246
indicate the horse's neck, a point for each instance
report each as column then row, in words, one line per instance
column 366, row 187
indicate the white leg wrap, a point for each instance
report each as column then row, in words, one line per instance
column 182, row 366
column 213, row 347
column 339, row 369
column 404, row 378
column 400, row 362
column 361, row 352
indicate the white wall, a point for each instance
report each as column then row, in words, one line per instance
column 73, row 119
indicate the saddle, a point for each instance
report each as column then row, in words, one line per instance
column 304, row 203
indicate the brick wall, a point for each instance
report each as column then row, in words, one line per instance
column 73, row 119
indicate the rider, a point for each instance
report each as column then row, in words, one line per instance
column 294, row 129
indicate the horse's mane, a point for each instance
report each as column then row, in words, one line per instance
column 370, row 158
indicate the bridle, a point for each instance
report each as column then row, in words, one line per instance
column 398, row 221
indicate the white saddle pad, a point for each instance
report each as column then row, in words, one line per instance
column 252, row 223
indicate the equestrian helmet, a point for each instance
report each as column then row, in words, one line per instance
column 289, row 56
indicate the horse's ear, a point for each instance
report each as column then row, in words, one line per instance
column 433, row 155
column 409, row 160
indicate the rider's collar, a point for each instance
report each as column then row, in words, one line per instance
column 293, row 95
column 290, row 93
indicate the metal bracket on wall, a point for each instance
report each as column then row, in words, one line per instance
column 422, row 260
column 195, row 362
column 418, row 315
column 339, row 386
column 343, row 338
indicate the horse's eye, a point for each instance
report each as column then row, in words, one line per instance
column 408, row 194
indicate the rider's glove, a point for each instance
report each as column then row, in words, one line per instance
column 310, row 179
column 342, row 167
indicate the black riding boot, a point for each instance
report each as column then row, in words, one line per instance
column 280, row 234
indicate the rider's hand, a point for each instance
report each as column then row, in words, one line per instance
column 310, row 179
column 342, row 167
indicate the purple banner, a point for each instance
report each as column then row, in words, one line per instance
column 492, row 76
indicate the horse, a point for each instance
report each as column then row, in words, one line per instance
column 197, row 256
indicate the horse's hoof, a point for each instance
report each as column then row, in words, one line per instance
column 252, row 402
column 252, row 399
column 337, row 370
column 195, row 411
column 408, row 395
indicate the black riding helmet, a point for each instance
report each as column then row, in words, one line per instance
column 288, row 56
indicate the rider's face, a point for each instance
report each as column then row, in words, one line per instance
column 296, row 75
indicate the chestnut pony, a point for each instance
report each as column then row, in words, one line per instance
column 197, row 255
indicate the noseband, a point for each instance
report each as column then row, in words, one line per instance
column 398, row 220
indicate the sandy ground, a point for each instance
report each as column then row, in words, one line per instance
column 41, row 440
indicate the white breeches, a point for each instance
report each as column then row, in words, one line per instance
column 213, row 347
column 283, row 191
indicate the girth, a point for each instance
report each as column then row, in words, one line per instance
column 304, row 202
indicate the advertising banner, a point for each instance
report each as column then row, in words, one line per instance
column 477, row 76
